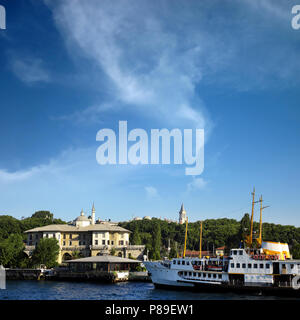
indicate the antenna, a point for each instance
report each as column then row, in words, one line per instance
column 260, row 221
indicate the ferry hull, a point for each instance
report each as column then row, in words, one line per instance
column 225, row 288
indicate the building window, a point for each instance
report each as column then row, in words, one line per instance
column 238, row 265
column 64, row 237
column 244, row 265
column 241, row 252
column 219, row 276
column 70, row 236
column 36, row 236
column 64, row 243
column 103, row 242
column 204, row 275
column 292, row 266
column 249, row 265
column 174, row 261
column 96, row 242
column 235, row 252
column 188, row 263
column 108, row 242
column 232, row 265
column 178, row 261
column 112, row 243
column 121, row 243
column 209, row 275
column 70, row 243
column 261, row 265
column 255, row 266
column 267, row 265
column 30, row 237
column 214, row 275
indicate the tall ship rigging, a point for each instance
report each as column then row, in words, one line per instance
column 259, row 265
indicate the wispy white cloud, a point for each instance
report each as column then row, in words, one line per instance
column 196, row 184
column 92, row 114
column 151, row 192
column 30, row 70
column 151, row 68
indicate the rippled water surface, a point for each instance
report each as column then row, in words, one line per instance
column 54, row 290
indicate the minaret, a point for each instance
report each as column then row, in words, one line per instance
column 93, row 214
column 182, row 215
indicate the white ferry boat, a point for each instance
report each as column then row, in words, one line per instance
column 268, row 268
column 242, row 269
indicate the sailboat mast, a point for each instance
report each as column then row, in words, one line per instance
column 260, row 221
column 200, row 245
column 251, row 227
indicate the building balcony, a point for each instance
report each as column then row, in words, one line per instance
column 117, row 247
column 75, row 248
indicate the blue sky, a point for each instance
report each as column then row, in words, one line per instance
column 71, row 68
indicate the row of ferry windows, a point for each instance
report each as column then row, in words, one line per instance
column 255, row 265
column 237, row 252
column 182, row 262
column 204, row 275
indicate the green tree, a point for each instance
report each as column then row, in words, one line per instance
column 296, row 251
column 46, row 252
column 155, row 254
column 136, row 238
column 11, row 251
column 8, row 226
column 47, row 215
column 112, row 251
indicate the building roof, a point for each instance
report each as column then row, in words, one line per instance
column 104, row 259
column 82, row 218
column 72, row 228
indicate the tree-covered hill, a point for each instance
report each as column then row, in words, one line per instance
column 10, row 225
column 158, row 234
